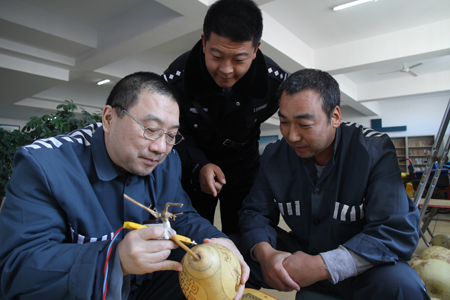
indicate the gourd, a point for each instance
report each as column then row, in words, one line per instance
column 216, row 275
column 435, row 274
column 441, row 240
column 433, row 267
column 436, row 252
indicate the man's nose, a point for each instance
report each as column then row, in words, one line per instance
column 226, row 66
column 159, row 145
column 294, row 134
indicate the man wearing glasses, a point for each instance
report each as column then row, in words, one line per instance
column 64, row 208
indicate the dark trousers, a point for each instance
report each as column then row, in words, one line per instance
column 163, row 284
column 393, row 281
column 231, row 198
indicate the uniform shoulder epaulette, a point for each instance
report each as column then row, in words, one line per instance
column 275, row 71
column 173, row 76
column 175, row 71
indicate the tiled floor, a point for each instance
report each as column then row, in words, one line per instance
column 440, row 224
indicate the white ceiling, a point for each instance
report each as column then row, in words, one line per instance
column 51, row 50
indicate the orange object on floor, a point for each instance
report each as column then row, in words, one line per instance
column 410, row 190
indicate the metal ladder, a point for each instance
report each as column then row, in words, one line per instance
column 426, row 174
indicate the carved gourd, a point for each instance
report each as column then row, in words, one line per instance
column 216, row 275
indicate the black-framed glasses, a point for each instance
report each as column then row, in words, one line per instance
column 154, row 133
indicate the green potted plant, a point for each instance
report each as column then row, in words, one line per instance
column 62, row 122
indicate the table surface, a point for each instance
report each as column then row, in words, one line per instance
column 439, row 203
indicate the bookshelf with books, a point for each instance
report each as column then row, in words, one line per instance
column 417, row 148
column 401, row 150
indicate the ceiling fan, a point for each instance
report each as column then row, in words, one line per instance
column 405, row 69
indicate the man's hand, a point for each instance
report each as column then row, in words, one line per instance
column 245, row 270
column 142, row 251
column 306, row 269
column 211, row 179
column 274, row 273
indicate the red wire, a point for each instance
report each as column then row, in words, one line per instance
column 107, row 261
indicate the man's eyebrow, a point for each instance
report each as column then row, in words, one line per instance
column 213, row 49
column 300, row 116
column 152, row 117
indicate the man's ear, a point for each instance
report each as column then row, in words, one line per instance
column 204, row 43
column 107, row 118
column 336, row 117
column 256, row 50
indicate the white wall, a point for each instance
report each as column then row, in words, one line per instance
column 421, row 116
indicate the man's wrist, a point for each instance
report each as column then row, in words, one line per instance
column 260, row 249
column 340, row 264
column 322, row 267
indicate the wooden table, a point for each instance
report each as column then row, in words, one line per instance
column 438, row 203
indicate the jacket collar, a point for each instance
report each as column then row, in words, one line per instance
column 337, row 139
column 337, row 142
column 104, row 166
column 198, row 83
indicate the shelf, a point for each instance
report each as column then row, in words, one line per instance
column 418, row 148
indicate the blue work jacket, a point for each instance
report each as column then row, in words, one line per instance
column 63, row 205
column 358, row 201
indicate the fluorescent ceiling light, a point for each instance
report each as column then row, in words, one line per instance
column 103, row 81
column 207, row 2
column 350, row 4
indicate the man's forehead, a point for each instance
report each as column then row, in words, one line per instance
column 150, row 97
column 239, row 53
column 220, row 43
column 300, row 105
column 158, row 108
column 298, row 115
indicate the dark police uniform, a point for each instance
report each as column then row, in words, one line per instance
column 228, row 135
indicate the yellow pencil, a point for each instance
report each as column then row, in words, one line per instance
column 134, row 226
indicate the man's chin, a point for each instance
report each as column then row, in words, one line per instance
column 225, row 84
column 144, row 171
column 303, row 153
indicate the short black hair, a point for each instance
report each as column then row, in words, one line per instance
column 126, row 92
column 237, row 20
column 318, row 80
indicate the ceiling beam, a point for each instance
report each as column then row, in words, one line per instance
column 416, row 43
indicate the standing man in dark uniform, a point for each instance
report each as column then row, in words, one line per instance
column 227, row 89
